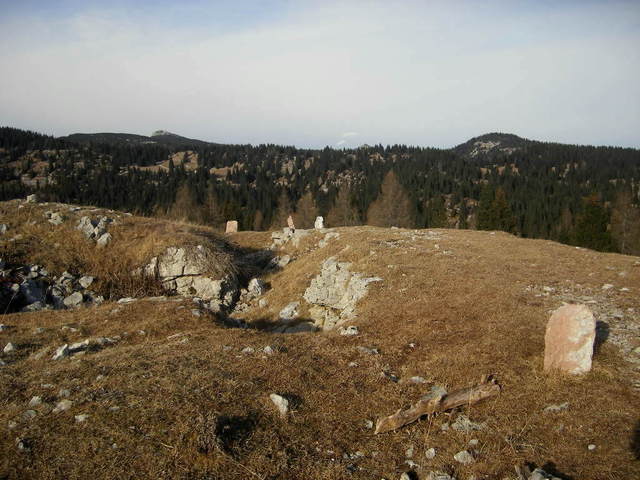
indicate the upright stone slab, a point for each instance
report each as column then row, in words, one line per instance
column 568, row 341
column 319, row 225
column 290, row 223
column 232, row 226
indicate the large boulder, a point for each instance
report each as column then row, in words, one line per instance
column 569, row 339
column 335, row 292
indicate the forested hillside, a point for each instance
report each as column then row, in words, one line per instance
column 582, row 195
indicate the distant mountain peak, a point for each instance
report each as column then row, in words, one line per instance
column 492, row 144
column 162, row 133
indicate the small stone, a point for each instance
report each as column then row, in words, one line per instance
column 64, row 393
column 73, row 300
column 349, row 331
column 263, row 303
column 368, row 424
column 370, row 351
column 9, row 347
column 268, row 350
column 126, row 300
column 464, row 424
column 281, row 403
column 247, row 350
column 33, row 198
column 86, row 281
column 29, row 414
column 430, row 453
column 232, row 226
column 195, row 312
column 35, row 401
column 569, row 339
column 353, row 364
column 439, row 476
column 256, row 287
column 104, row 240
column 591, row 447
column 464, row 457
column 556, row 407
column 607, row 286
column 417, row 380
column 63, row 405
column 473, row 442
column 319, row 223
column 290, row 312
column 81, row 418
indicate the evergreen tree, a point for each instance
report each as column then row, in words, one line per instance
column 591, row 226
column 625, row 224
column 504, row 219
column 486, row 213
column 437, row 213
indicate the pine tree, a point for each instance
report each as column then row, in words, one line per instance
column 463, row 213
column 591, row 226
column 306, row 212
column 392, row 207
column 625, row 224
column 437, row 213
column 283, row 211
column 343, row 213
column 504, row 219
column 486, row 213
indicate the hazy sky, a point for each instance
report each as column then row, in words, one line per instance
column 325, row 73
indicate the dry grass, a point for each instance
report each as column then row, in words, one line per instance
column 194, row 406
column 135, row 241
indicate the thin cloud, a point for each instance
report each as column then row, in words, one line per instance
column 349, row 134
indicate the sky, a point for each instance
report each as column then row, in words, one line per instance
column 337, row 73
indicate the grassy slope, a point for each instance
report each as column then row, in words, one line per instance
column 474, row 304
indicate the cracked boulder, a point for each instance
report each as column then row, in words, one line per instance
column 334, row 293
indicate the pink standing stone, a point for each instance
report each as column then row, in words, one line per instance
column 232, row 226
column 568, row 341
column 290, row 222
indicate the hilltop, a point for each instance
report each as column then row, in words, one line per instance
column 160, row 137
column 169, row 387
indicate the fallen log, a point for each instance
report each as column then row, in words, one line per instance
column 439, row 402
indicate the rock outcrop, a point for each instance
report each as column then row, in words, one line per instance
column 96, row 229
column 569, row 339
column 333, row 294
column 186, row 271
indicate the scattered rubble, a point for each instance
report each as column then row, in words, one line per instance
column 31, row 288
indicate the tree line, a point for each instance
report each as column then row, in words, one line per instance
column 581, row 195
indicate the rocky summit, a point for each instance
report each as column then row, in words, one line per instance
column 172, row 350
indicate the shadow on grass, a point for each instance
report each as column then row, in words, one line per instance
column 602, row 334
column 635, row 441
